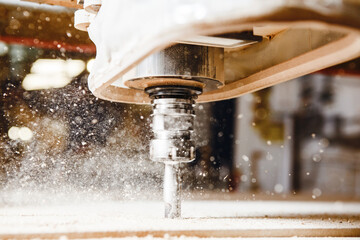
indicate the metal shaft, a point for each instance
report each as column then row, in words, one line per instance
column 172, row 190
column 173, row 124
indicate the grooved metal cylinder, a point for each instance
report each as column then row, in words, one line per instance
column 173, row 121
column 172, row 125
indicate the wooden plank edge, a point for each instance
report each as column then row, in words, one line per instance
column 342, row 50
column 293, row 232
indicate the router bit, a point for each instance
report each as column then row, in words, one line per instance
column 172, row 124
column 172, row 190
column 173, row 79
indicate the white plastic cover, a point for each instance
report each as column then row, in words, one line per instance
column 126, row 31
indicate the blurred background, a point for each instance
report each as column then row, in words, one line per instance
column 299, row 138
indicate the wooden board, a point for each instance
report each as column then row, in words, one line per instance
column 200, row 219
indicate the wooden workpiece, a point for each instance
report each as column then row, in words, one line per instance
column 200, row 219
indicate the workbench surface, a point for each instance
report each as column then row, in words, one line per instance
column 200, row 219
